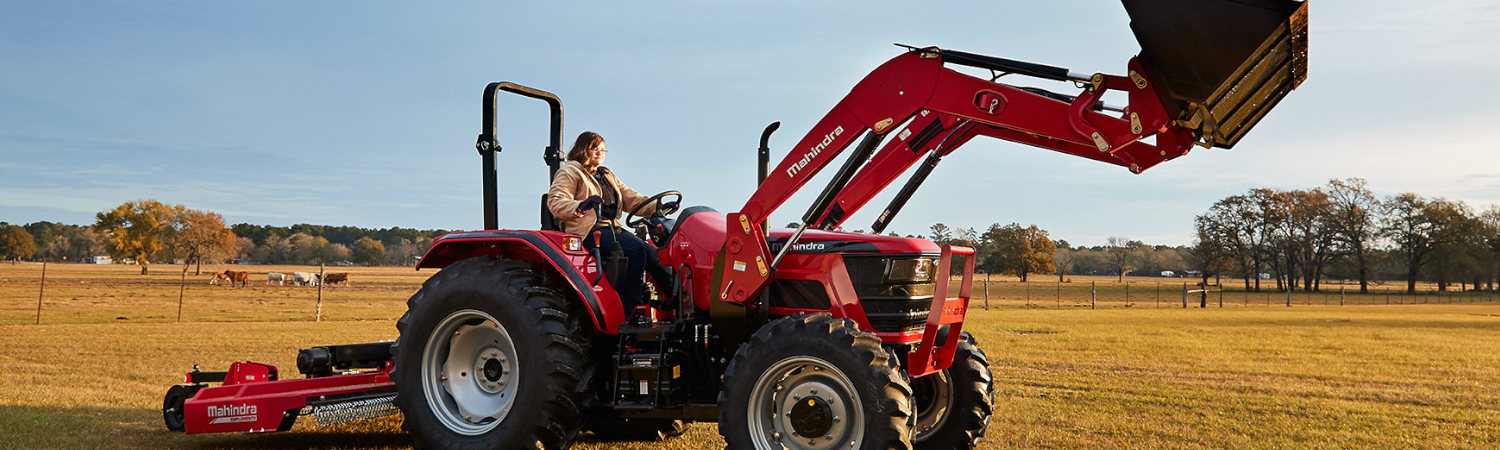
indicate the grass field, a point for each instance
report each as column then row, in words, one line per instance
column 1125, row 374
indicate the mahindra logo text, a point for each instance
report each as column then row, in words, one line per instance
column 230, row 410
column 814, row 151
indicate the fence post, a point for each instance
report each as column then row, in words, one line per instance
column 1221, row 294
column 1341, row 296
column 1093, row 290
column 1158, row 294
column 39, row 290
column 1059, row 294
column 1184, row 295
column 318, row 312
column 986, row 291
column 1028, row 292
column 1127, row 294
column 1289, row 296
column 181, row 289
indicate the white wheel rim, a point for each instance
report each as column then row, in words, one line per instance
column 470, row 372
column 798, row 379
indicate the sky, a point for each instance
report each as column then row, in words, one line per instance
column 365, row 113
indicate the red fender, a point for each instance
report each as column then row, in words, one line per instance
column 550, row 250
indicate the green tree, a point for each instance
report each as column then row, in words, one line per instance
column 941, row 234
column 369, row 251
column 137, row 229
column 308, row 249
column 1020, row 250
column 16, row 243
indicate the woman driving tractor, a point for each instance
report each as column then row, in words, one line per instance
column 588, row 198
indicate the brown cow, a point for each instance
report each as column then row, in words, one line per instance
column 243, row 278
column 336, row 278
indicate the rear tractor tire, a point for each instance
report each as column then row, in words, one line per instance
column 814, row 382
column 489, row 357
column 953, row 406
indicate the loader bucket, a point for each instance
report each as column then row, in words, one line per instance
column 1221, row 65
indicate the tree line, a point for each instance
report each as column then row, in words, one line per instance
column 1301, row 237
column 147, row 231
column 1023, row 251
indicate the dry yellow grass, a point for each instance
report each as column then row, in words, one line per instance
column 1358, row 376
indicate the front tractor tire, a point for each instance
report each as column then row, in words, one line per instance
column 814, row 382
column 953, row 405
column 490, row 357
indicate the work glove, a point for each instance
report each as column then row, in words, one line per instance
column 589, row 203
column 668, row 206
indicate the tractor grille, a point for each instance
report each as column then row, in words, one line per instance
column 892, row 306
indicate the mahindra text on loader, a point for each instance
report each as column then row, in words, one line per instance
column 800, row 338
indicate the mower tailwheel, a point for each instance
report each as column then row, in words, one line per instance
column 953, row 405
column 489, row 357
column 171, row 407
column 814, row 382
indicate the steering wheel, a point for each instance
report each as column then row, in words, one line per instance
column 634, row 219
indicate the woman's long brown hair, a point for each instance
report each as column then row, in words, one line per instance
column 586, row 141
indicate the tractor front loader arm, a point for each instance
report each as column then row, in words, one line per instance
column 1174, row 103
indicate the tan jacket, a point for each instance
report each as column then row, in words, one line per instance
column 572, row 185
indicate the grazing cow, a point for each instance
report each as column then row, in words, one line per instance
column 274, row 277
column 336, row 278
column 304, row 278
column 243, row 278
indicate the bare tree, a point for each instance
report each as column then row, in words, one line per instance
column 1411, row 226
column 1122, row 254
column 1063, row 259
column 1354, row 214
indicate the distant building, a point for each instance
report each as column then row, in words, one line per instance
column 1168, row 273
column 99, row 259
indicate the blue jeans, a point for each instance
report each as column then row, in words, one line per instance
column 642, row 257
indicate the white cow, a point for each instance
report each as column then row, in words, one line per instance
column 274, row 277
column 305, row 278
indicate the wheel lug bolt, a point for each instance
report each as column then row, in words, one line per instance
column 776, row 436
column 835, row 419
column 814, row 391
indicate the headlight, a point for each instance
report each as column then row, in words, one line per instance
column 912, row 270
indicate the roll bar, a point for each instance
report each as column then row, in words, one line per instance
column 489, row 144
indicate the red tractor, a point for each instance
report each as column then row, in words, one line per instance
column 804, row 338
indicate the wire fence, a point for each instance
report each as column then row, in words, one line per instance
column 1099, row 293
column 50, row 293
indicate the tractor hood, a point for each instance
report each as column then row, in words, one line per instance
column 818, row 241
